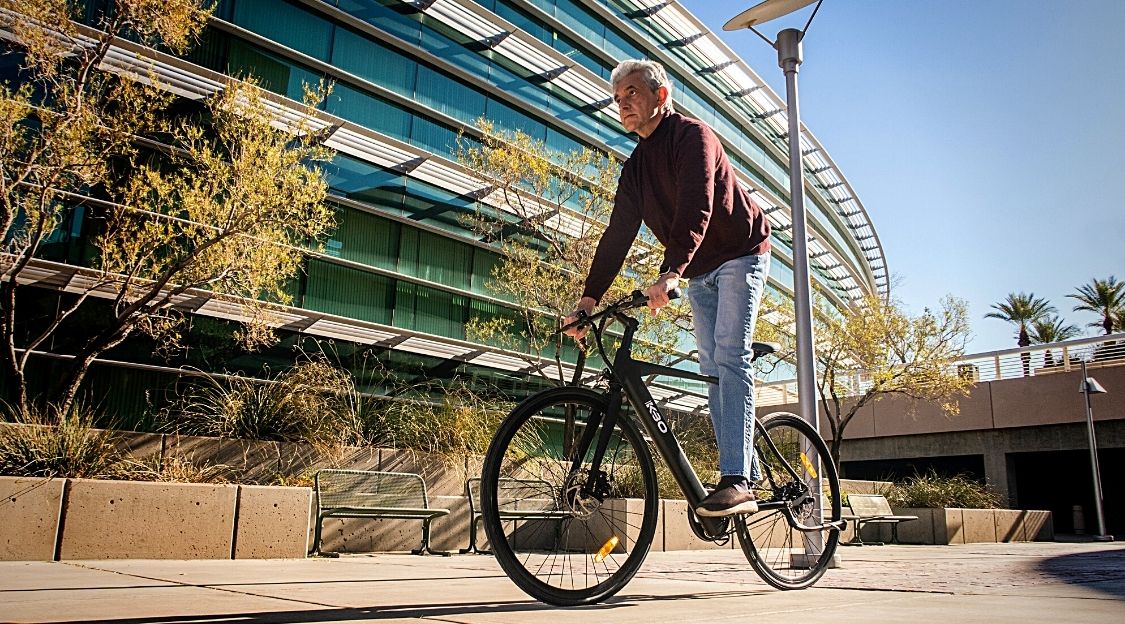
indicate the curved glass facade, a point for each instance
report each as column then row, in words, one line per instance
column 411, row 74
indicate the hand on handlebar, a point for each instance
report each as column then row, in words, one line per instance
column 658, row 293
column 584, row 307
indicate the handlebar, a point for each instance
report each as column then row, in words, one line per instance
column 635, row 300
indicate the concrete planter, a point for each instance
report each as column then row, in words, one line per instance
column 30, row 511
column 46, row 519
column 966, row 526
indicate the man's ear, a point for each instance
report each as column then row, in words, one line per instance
column 662, row 95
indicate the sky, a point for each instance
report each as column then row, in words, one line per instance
column 984, row 138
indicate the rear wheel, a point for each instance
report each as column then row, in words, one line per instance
column 785, row 542
column 559, row 540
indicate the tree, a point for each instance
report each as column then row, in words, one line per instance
column 1051, row 329
column 1103, row 297
column 875, row 349
column 1021, row 310
column 226, row 206
column 550, row 214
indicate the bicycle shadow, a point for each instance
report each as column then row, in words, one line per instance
column 1102, row 570
column 403, row 612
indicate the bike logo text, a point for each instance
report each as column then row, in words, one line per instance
column 656, row 417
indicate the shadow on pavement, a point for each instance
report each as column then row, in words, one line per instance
column 388, row 612
column 1102, row 570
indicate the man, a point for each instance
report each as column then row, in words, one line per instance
column 679, row 182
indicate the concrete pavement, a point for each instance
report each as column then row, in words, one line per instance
column 961, row 584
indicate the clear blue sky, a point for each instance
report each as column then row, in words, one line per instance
column 984, row 137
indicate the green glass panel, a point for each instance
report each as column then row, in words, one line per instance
column 429, row 310
column 348, row 292
column 365, row 238
column 273, row 73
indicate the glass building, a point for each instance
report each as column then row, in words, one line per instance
column 401, row 275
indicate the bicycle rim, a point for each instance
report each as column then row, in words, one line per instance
column 555, row 543
column 784, row 556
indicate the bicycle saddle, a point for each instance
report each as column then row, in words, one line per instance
column 763, row 348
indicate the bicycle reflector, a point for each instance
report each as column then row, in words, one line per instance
column 606, row 548
column 808, row 465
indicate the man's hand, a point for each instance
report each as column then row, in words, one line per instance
column 586, row 305
column 658, row 293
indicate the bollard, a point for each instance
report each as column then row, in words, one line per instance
column 1079, row 520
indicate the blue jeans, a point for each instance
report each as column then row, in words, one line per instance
column 724, row 306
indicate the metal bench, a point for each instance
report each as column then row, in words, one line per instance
column 872, row 509
column 366, row 494
column 518, row 499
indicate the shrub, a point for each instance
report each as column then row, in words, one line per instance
column 308, row 402
column 46, row 445
column 460, row 423
column 177, row 470
column 932, row 490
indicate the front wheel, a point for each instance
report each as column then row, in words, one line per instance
column 565, row 533
column 785, row 542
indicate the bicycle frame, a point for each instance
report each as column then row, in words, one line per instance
column 627, row 378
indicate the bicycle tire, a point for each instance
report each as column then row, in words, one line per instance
column 591, row 548
column 783, row 556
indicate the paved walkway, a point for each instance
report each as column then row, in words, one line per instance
column 1026, row 583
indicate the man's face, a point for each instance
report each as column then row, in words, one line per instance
column 639, row 107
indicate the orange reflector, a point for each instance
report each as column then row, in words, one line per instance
column 606, row 548
column 808, row 465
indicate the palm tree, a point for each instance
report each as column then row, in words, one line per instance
column 1051, row 329
column 1021, row 310
column 1103, row 297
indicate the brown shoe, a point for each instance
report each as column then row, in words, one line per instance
column 732, row 496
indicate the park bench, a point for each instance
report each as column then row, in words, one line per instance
column 518, row 499
column 872, row 509
column 374, row 495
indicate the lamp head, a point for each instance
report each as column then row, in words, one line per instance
column 764, row 12
column 1091, row 386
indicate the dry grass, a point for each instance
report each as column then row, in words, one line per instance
column 48, row 445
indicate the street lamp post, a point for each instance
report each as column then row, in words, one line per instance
column 788, row 46
column 1090, row 386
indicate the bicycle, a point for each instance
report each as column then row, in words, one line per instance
column 586, row 447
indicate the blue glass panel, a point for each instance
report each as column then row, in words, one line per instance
column 374, row 12
column 285, row 24
column 362, row 181
column 452, row 97
column 369, row 111
column 373, row 61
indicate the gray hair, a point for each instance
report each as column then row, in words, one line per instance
column 652, row 72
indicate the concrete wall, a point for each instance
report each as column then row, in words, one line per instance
column 1040, row 400
column 1043, row 412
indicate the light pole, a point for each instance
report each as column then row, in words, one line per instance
column 788, row 46
column 1090, row 386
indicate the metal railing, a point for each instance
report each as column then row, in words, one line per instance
column 1036, row 360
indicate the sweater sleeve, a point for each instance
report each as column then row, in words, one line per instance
column 695, row 161
column 624, row 223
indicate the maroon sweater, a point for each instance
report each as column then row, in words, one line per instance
column 679, row 182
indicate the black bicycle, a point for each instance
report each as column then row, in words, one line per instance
column 570, row 497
